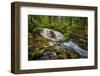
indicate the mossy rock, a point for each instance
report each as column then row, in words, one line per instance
column 62, row 56
column 40, row 42
column 50, row 49
column 38, row 52
column 62, row 53
column 74, row 55
column 60, row 50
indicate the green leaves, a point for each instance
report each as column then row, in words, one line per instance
column 44, row 20
column 37, row 30
column 65, row 37
column 67, row 25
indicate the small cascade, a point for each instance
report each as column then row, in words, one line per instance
column 56, row 36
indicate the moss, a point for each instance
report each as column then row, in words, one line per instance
column 37, row 52
column 62, row 53
column 74, row 55
column 62, row 56
column 30, row 38
column 50, row 49
column 40, row 42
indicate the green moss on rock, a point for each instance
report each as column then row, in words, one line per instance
column 74, row 55
column 40, row 42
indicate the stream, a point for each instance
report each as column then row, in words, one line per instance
column 56, row 36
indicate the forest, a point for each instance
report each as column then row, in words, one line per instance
column 57, row 37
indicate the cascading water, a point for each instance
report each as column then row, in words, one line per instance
column 57, row 36
column 76, row 48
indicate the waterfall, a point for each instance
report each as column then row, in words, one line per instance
column 75, row 47
column 57, row 36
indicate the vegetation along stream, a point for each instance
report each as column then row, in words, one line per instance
column 57, row 37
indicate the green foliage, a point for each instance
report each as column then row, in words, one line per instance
column 30, row 38
column 66, row 25
column 60, row 23
column 66, row 37
column 36, row 30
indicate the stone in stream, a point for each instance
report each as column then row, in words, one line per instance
column 51, row 34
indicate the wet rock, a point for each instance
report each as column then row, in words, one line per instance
column 74, row 55
column 49, row 55
column 51, row 34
